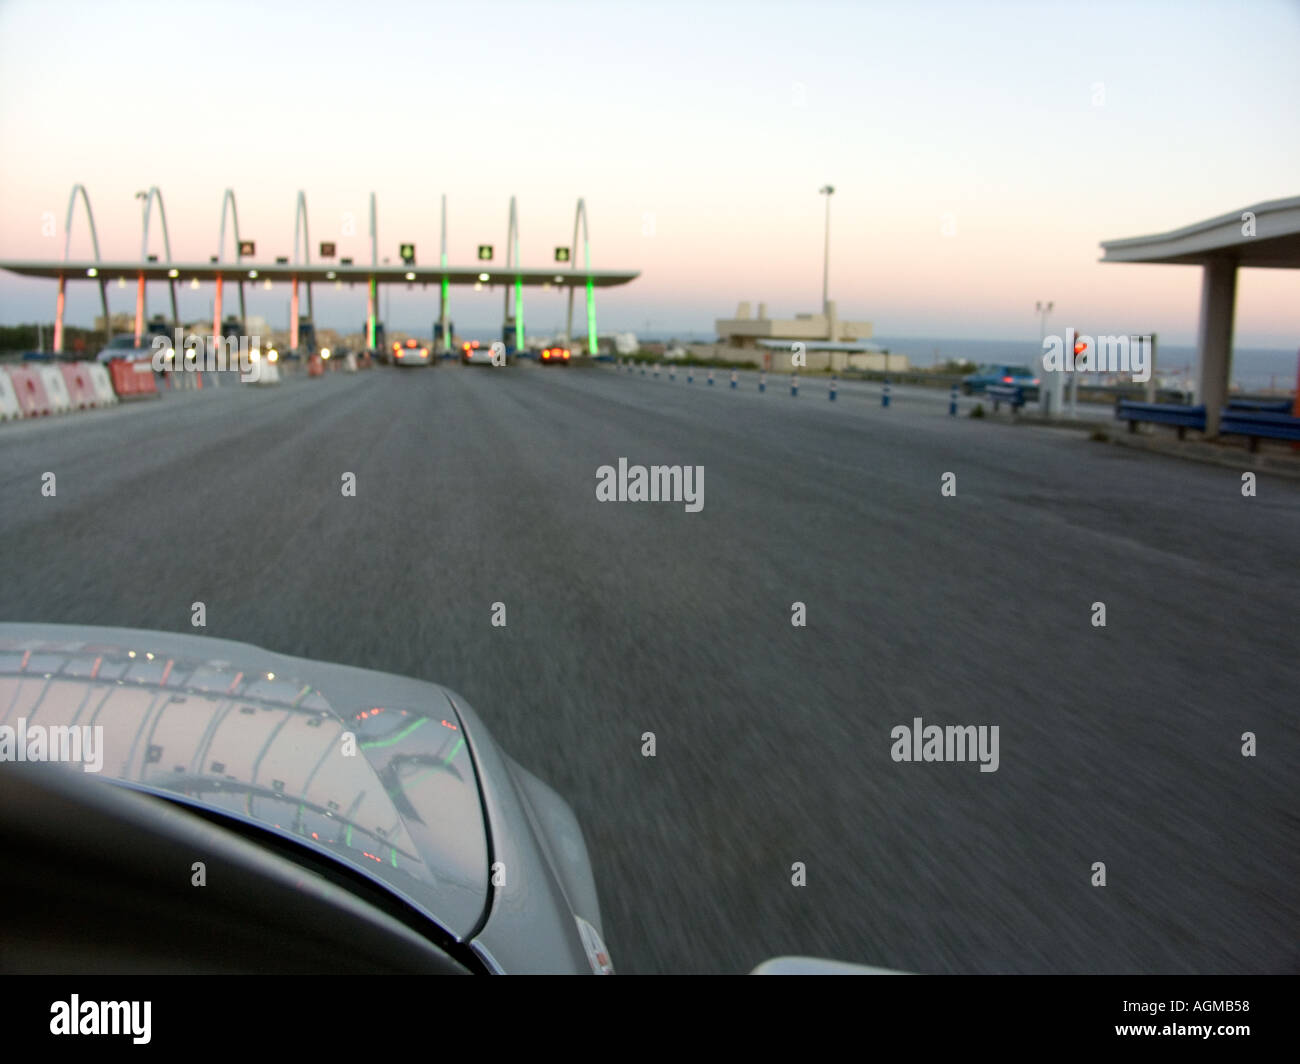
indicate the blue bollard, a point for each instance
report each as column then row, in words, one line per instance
column 762, row 382
column 643, row 369
column 794, row 384
column 672, row 373
column 884, row 395
column 733, row 379
column 656, row 370
column 710, row 378
column 952, row 402
column 833, row 382
column 690, row 376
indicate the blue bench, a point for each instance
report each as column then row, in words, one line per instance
column 1259, row 423
column 1181, row 417
column 1006, row 393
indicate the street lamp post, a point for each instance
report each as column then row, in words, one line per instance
column 1046, row 395
column 140, row 309
column 827, row 191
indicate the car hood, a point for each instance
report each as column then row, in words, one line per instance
column 368, row 768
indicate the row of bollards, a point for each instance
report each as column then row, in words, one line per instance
column 885, row 392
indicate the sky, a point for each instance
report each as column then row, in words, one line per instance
column 979, row 152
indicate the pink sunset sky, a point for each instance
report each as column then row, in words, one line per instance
column 699, row 135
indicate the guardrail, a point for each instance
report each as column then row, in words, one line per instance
column 1259, row 423
column 1012, row 394
column 1255, row 419
column 1181, row 417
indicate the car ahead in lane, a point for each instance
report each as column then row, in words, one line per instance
column 554, row 356
column 1001, row 373
column 348, row 820
column 473, row 353
column 411, row 353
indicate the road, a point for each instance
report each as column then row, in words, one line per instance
column 1118, row 744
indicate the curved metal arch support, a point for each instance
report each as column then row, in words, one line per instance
column 512, row 236
column 90, row 217
column 374, row 233
column 228, row 200
column 67, row 246
column 300, row 224
column 580, row 218
column 155, row 192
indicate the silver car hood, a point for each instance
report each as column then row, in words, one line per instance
column 264, row 738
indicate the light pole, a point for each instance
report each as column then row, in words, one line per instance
column 1046, row 395
column 387, row 323
column 140, row 309
column 828, row 191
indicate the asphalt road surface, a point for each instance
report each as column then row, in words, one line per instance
column 1119, row 744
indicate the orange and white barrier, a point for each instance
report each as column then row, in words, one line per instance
column 133, row 379
column 76, row 376
column 56, row 389
column 29, row 391
column 9, row 408
column 103, row 387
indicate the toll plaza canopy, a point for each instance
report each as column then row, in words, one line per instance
column 480, row 273
column 1266, row 235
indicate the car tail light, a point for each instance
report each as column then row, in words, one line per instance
column 424, row 351
column 1007, row 380
column 566, row 354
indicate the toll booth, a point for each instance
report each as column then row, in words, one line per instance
column 439, row 342
column 306, row 336
column 381, row 340
column 157, row 326
column 508, row 336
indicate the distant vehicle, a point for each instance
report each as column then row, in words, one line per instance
column 555, row 356
column 1000, row 373
column 626, row 344
column 674, row 350
column 472, row 353
column 126, row 347
column 411, row 353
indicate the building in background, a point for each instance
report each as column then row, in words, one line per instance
column 827, row 342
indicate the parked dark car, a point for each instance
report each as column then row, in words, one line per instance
column 1001, row 373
